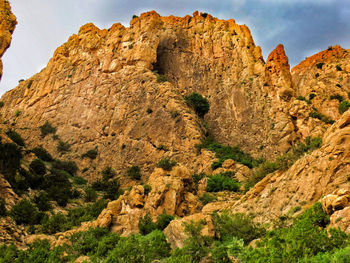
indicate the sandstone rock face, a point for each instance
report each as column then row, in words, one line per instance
column 338, row 200
column 314, row 175
column 99, row 91
column 324, row 74
column 7, row 26
column 341, row 219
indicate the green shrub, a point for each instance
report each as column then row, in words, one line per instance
column 15, row 137
column 198, row 103
column 86, row 243
column 197, row 177
column 42, row 154
column 10, row 160
column 147, row 188
column 63, row 147
column 67, row 166
column 78, row 180
column 42, row 201
column 343, row 106
column 55, row 223
column 25, row 213
column 108, row 173
column 149, row 110
column 207, row 198
column 134, row 172
column 337, row 97
column 146, row 225
column 227, row 152
column 166, row 164
column 304, row 99
column 92, row 154
column 3, row 210
column 144, row 249
column 90, row 195
column 38, row 252
column 196, row 246
column 38, row 167
column 161, row 78
column 164, row 220
column 18, row 113
column 338, row 67
column 1, row 104
column 241, row 226
column 100, row 185
column 320, row 116
column 47, row 129
column 304, row 239
column 112, row 191
column 59, row 222
column 58, row 186
column 219, row 182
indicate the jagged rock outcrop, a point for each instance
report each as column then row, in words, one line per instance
column 324, row 74
column 7, row 26
column 337, row 200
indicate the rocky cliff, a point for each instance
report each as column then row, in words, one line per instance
column 120, row 91
column 104, row 89
column 7, row 26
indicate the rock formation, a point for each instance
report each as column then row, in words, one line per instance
column 99, row 91
column 121, row 91
column 7, row 26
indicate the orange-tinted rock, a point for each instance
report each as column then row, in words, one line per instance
column 7, row 26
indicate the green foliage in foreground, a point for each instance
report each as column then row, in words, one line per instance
column 306, row 240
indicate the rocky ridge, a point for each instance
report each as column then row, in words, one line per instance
column 7, row 26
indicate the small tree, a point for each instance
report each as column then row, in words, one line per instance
column 198, row 103
column 146, row 225
column 343, row 106
column 47, row 129
column 166, row 164
column 134, row 172
column 38, row 167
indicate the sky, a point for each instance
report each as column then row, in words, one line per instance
column 304, row 27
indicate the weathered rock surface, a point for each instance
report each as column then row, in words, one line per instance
column 338, row 200
column 312, row 176
column 7, row 26
column 173, row 192
column 99, row 91
column 324, row 74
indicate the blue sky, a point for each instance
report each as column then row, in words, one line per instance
column 303, row 26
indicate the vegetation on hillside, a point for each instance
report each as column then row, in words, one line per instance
column 306, row 240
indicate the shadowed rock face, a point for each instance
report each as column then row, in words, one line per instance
column 7, row 26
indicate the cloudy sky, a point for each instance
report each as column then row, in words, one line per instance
column 303, row 26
